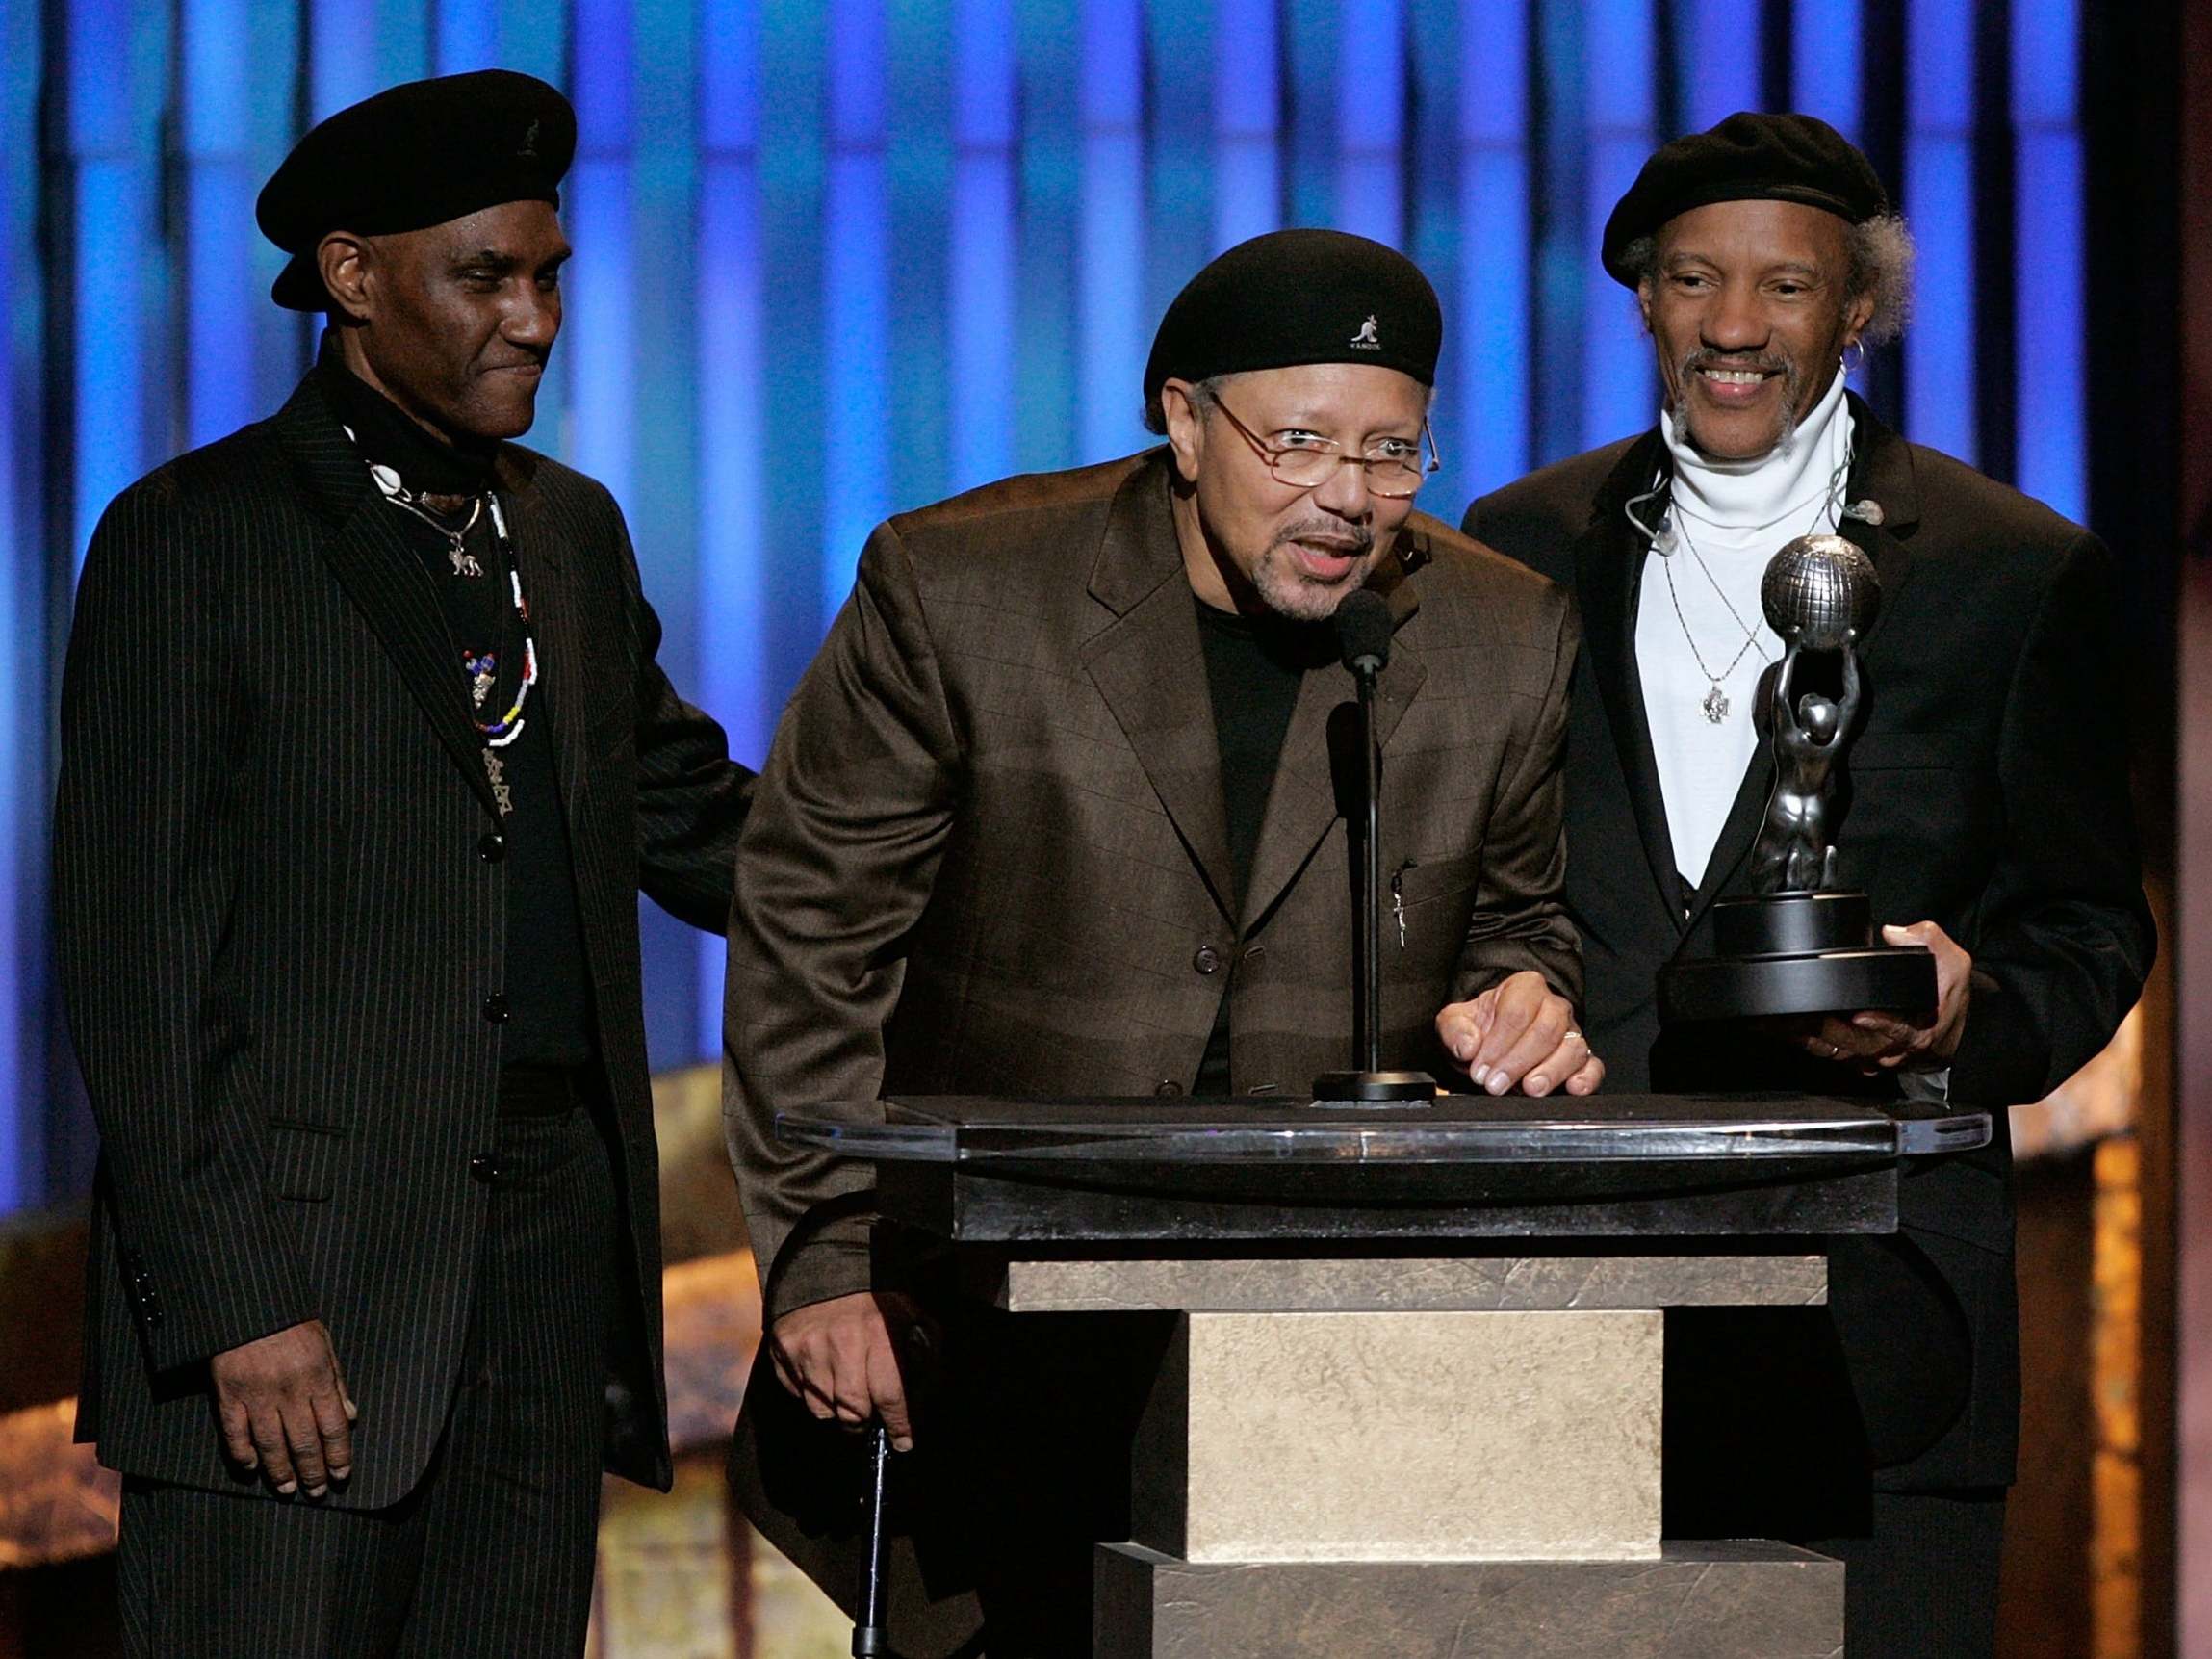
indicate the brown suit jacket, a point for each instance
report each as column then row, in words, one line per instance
column 991, row 853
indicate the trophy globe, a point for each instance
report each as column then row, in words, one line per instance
column 1798, row 944
column 1820, row 593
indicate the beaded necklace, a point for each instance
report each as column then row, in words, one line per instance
column 482, row 670
column 479, row 669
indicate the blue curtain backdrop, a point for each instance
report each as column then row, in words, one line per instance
column 835, row 258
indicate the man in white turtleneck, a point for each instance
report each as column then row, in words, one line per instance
column 1986, row 815
column 1702, row 638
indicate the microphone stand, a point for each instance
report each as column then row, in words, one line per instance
column 1370, row 1084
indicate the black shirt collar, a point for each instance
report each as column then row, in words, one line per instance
column 389, row 437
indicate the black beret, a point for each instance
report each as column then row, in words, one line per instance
column 414, row 156
column 1295, row 296
column 1746, row 158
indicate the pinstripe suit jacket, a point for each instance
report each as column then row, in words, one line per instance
column 279, row 925
column 991, row 853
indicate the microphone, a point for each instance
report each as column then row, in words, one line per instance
column 1363, row 630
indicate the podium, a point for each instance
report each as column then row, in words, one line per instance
column 1412, row 1404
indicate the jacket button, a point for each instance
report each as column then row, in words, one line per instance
column 486, row 1168
column 496, row 1008
column 492, row 848
column 1168, row 1087
column 1206, row 959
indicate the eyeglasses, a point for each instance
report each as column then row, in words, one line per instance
column 1393, row 466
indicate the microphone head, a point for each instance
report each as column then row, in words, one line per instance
column 1363, row 629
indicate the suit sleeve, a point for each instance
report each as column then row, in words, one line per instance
column 835, row 870
column 2061, row 939
column 1520, row 919
column 156, row 721
column 691, row 797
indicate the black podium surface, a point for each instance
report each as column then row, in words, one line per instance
column 1095, row 1171
column 1469, row 1296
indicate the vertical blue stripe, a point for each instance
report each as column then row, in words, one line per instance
column 1310, row 39
column 1824, row 61
column 342, row 55
column 1940, row 383
column 1111, row 337
column 280, row 339
column 123, row 382
column 1492, row 432
column 1563, row 268
column 664, row 444
column 734, row 682
column 402, row 41
column 533, row 39
column 24, row 951
column 2050, row 352
column 1717, row 44
column 597, row 336
column 1177, row 119
column 467, row 35
column 1051, row 159
column 1247, row 171
column 790, row 114
column 917, row 148
column 1618, row 384
column 1370, row 118
column 856, row 294
column 984, row 248
column 219, row 184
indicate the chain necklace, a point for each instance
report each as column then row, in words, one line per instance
column 464, row 562
column 1674, row 527
column 1716, row 702
column 480, row 669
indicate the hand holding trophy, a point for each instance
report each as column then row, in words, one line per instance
column 1799, row 945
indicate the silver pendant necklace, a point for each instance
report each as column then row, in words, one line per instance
column 1716, row 704
column 463, row 561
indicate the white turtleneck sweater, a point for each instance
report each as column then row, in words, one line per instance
column 1732, row 515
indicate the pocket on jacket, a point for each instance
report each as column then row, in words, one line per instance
column 1417, row 883
column 302, row 1160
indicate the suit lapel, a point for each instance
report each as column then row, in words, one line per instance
column 381, row 574
column 1302, row 805
column 1609, row 568
column 1881, row 472
column 1148, row 664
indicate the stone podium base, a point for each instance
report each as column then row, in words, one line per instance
column 1744, row 1600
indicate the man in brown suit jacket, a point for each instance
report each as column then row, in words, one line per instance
column 1053, row 813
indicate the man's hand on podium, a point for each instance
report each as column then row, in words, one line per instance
column 1520, row 1031
column 841, row 1358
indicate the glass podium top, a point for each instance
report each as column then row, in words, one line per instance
column 1457, row 1129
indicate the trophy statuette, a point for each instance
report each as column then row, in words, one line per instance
column 1800, row 946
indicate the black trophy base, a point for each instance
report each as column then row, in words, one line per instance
column 1796, row 953
column 1372, row 1088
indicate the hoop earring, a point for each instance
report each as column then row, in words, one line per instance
column 1851, row 368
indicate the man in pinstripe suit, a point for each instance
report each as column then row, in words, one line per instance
column 365, row 756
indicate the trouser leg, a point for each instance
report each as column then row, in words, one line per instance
column 232, row 1575
column 1920, row 1579
column 510, row 1523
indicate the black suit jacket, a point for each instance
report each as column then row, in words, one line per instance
column 1986, row 792
column 280, row 919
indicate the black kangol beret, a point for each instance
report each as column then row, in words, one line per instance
column 414, row 156
column 1295, row 296
column 1746, row 158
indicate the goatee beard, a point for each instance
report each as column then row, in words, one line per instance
column 1792, row 396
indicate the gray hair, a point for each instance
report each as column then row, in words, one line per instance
column 1208, row 389
column 1882, row 255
